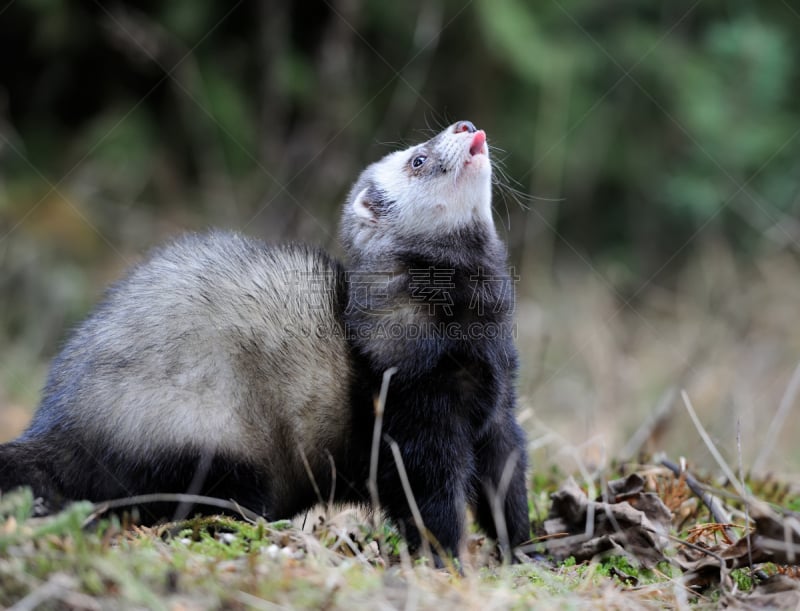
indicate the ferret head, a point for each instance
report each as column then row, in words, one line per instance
column 427, row 191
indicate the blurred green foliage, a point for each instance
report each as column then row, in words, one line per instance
column 641, row 127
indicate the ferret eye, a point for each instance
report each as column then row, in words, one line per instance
column 418, row 161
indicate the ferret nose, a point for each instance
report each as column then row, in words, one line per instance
column 465, row 126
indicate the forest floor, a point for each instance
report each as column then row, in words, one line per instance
column 647, row 541
column 663, row 474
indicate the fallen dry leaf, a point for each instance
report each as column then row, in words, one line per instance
column 629, row 521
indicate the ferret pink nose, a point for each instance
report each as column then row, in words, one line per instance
column 465, row 126
column 478, row 145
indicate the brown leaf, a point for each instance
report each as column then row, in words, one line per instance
column 634, row 526
column 777, row 592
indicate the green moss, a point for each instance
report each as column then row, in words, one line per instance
column 227, row 563
column 743, row 579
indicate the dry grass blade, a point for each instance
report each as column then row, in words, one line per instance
column 311, row 477
column 412, row 502
column 380, row 405
column 710, row 445
column 60, row 588
column 747, row 499
column 498, row 499
column 649, row 427
column 143, row 499
column 778, row 420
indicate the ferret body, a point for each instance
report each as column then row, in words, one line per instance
column 226, row 367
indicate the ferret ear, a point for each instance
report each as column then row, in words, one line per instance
column 363, row 207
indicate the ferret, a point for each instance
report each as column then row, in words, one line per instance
column 227, row 367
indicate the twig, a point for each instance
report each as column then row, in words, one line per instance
column 702, row 550
column 143, row 499
column 714, row 506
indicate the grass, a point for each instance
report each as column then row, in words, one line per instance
column 337, row 560
column 222, row 563
column 594, row 369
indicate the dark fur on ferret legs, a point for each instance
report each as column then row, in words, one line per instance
column 450, row 404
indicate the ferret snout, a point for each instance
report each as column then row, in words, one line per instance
column 478, row 143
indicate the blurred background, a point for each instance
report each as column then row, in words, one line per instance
column 647, row 155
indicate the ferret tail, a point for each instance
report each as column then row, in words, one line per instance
column 22, row 463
